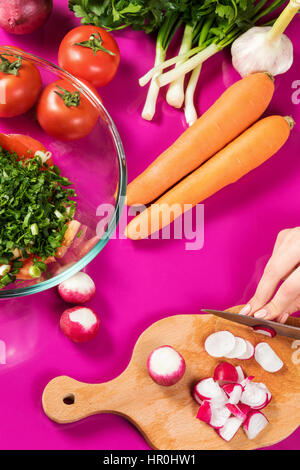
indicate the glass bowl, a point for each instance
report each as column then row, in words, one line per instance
column 94, row 164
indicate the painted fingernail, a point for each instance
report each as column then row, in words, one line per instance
column 261, row 314
column 246, row 309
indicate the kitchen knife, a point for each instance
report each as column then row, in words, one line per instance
column 280, row 328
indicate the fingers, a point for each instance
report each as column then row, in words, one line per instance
column 285, row 300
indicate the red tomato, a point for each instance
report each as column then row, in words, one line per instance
column 64, row 113
column 20, row 85
column 91, row 53
column 21, row 144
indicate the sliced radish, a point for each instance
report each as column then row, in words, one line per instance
column 239, row 349
column 267, row 358
column 78, row 289
column 230, row 428
column 213, row 414
column 241, row 374
column 254, row 396
column 265, row 388
column 196, row 398
column 264, row 330
column 207, row 389
column 219, row 344
column 239, row 410
column 249, row 351
column 254, row 424
column 246, row 380
column 234, row 392
column 79, row 324
column 166, row 366
column 225, row 372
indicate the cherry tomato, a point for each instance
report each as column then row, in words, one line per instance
column 91, row 53
column 20, row 85
column 64, row 113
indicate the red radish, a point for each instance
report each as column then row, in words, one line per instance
column 267, row 358
column 24, row 16
column 213, row 414
column 166, row 366
column 239, row 410
column 264, row 330
column 254, row 424
column 269, row 394
column 78, row 289
column 234, row 392
column 230, row 428
column 219, row 344
column 254, row 396
column 207, row 389
column 80, row 324
column 197, row 398
column 225, row 372
column 249, row 351
column 239, row 349
column 241, row 375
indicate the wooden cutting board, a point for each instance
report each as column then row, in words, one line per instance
column 166, row 416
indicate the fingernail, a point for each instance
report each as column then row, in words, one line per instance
column 246, row 309
column 284, row 318
column 261, row 314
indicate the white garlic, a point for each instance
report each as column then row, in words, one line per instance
column 254, row 52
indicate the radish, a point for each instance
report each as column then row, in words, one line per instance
column 249, row 351
column 213, row 414
column 254, row 424
column 241, row 375
column 80, row 324
column 234, row 392
column 239, row 410
column 269, row 394
column 230, row 428
column 24, row 16
column 264, row 330
column 225, row 372
column 219, row 344
column 239, row 349
column 166, row 366
column 207, row 389
column 267, row 358
column 197, row 398
column 78, row 289
column 254, row 396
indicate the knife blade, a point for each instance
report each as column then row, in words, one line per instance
column 280, row 328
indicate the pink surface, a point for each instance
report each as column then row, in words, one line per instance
column 139, row 283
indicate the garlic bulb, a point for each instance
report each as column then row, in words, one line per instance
column 266, row 48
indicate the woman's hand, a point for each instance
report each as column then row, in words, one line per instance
column 282, row 266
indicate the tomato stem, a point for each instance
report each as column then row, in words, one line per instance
column 95, row 43
column 68, row 97
column 11, row 68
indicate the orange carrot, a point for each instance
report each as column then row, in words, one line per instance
column 21, row 145
column 246, row 152
column 237, row 108
column 73, row 227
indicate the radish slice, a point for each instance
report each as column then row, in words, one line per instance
column 241, row 374
column 78, row 289
column 166, row 366
column 254, row 396
column 234, row 392
column 249, row 351
column 239, row 349
column 265, row 388
column 267, row 358
column 264, row 330
column 254, row 424
column 80, row 324
column 208, row 389
column 197, row 398
column 225, row 373
column 230, row 428
column 213, row 414
column 219, row 344
column 239, row 410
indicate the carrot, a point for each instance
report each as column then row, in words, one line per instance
column 237, row 108
column 246, row 152
column 73, row 227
